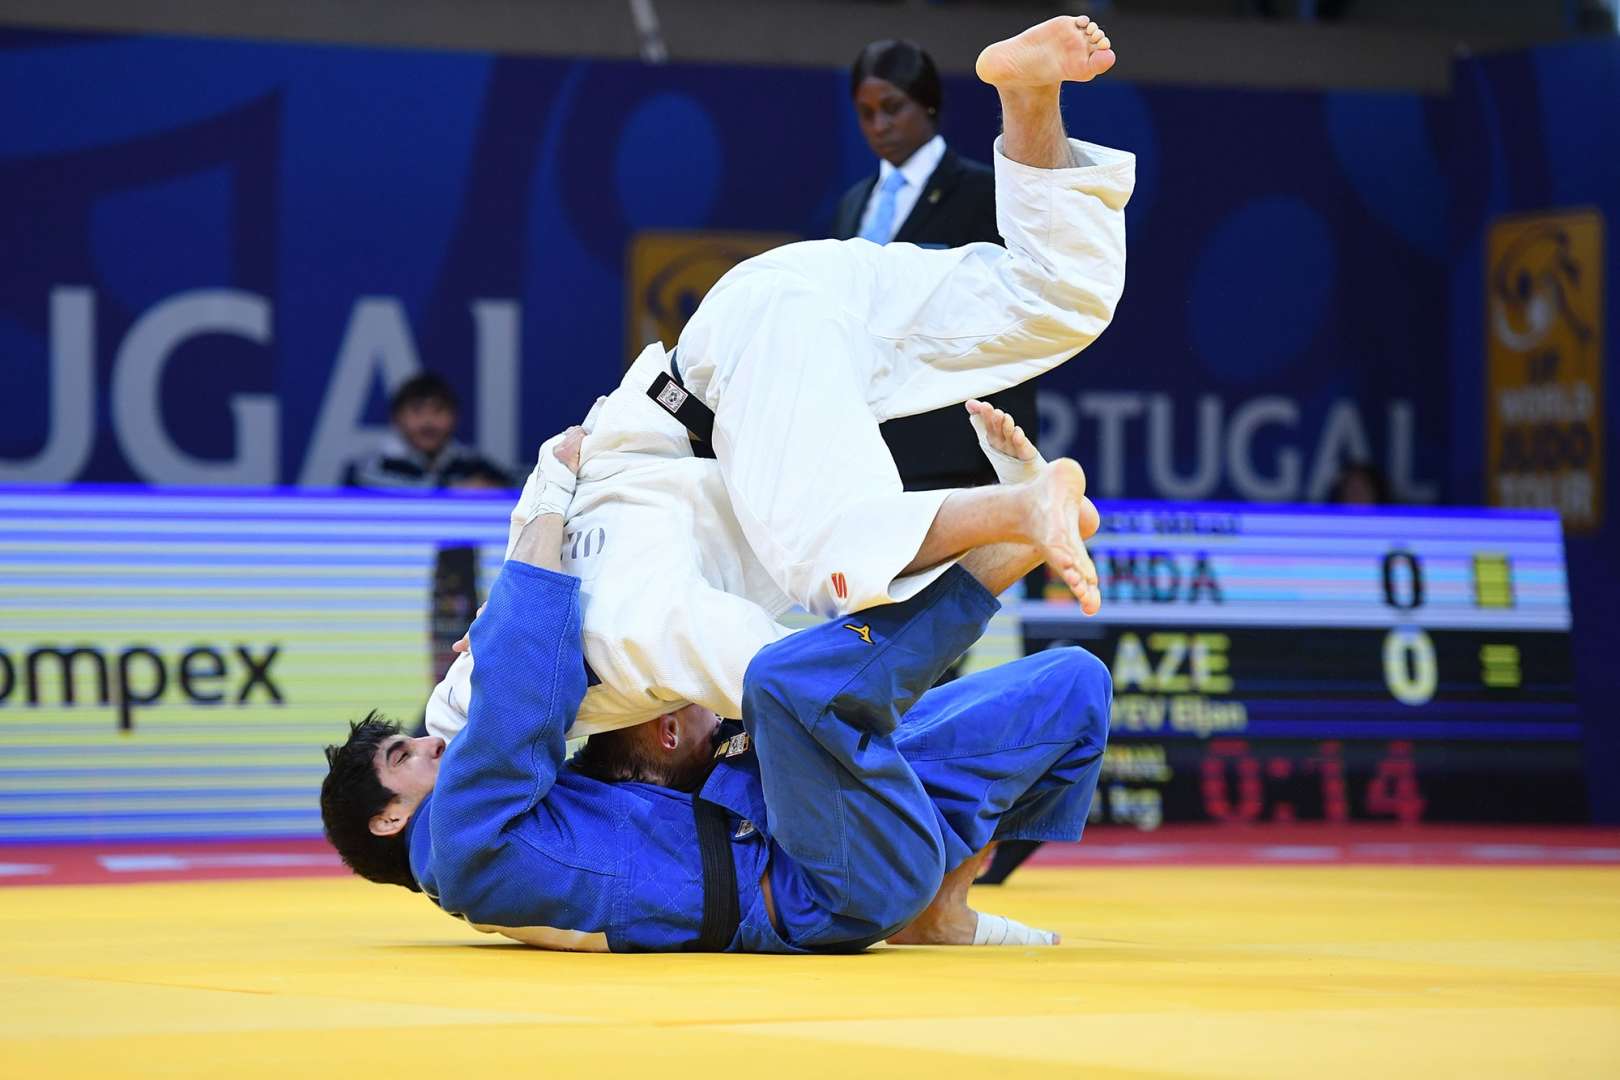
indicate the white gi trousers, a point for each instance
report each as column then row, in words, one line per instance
column 803, row 351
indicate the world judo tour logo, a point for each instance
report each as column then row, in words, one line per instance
column 1534, row 285
column 671, row 272
column 1544, row 355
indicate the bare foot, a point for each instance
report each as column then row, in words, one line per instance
column 1064, row 49
column 945, row 926
column 1004, row 436
column 1090, row 520
column 949, row 921
column 1022, row 461
column 1055, row 507
column 1001, row 432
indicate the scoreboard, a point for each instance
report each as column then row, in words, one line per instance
column 1294, row 663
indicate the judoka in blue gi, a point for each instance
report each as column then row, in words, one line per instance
column 835, row 831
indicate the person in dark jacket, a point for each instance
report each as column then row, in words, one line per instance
column 421, row 453
column 923, row 193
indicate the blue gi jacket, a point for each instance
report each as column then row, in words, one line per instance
column 510, row 837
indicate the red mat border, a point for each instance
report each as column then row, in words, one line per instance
column 125, row 862
column 1299, row 844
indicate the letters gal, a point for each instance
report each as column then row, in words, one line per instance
column 376, row 343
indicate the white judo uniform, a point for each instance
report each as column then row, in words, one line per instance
column 801, row 352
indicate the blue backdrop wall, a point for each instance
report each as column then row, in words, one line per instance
column 1539, row 131
column 319, row 219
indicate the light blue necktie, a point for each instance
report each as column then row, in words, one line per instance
column 881, row 230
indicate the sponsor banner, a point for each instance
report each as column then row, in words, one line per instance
column 173, row 665
column 1544, row 403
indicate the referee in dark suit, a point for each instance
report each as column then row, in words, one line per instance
column 923, row 193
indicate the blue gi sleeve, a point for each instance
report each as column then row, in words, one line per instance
column 526, row 689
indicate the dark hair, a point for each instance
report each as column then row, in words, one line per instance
column 905, row 65
column 424, row 387
column 1367, row 473
column 616, row 756
column 351, row 795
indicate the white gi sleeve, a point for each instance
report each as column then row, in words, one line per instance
column 447, row 706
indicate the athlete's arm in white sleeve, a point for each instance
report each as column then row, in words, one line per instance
column 447, row 706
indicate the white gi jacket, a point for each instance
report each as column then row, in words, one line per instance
column 801, row 352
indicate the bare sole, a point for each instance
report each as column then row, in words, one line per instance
column 1064, row 49
column 1054, row 528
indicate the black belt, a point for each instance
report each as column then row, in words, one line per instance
column 721, row 912
column 671, row 395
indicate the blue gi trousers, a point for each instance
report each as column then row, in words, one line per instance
column 876, row 785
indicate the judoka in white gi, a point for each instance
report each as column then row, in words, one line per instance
column 859, row 838
column 800, row 353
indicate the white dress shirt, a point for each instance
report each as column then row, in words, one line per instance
column 917, row 169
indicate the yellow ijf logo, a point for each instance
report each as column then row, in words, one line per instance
column 671, row 271
column 1544, row 364
column 862, row 632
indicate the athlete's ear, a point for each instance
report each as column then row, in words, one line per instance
column 390, row 821
column 669, row 732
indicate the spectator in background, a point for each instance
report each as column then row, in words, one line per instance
column 922, row 193
column 421, row 453
column 1358, row 484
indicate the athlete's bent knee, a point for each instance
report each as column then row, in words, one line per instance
column 912, row 888
column 1090, row 695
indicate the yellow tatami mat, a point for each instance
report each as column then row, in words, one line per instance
column 1365, row 972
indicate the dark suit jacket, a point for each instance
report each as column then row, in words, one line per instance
column 957, row 206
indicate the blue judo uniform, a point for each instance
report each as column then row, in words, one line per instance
column 860, row 792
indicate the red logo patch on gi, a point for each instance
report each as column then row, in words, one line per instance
column 840, row 586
